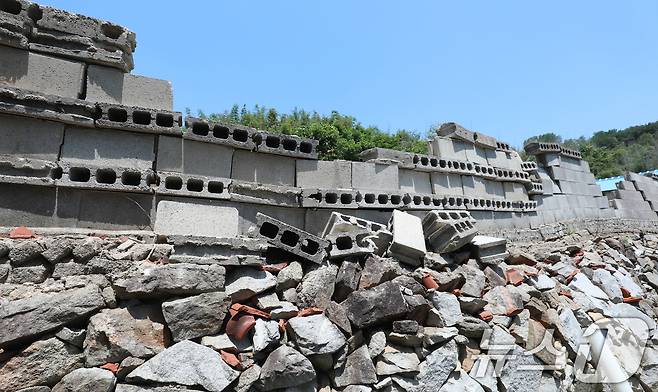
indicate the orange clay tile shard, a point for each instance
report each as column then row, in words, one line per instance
column 113, row 367
column 231, row 359
column 632, row 300
column 566, row 294
column 486, row 316
column 429, row 282
column 240, row 308
column 625, row 292
column 309, row 312
column 273, row 268
column 239, row 325
column 21, row 233
column 514, row 276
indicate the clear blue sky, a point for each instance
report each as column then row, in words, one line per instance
column 510, row 69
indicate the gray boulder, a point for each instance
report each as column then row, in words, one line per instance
column 437, row 367
column 315, row 334
column 189, row 364
column 317, row 287
column 93, row 380
column 461, row 382
column 196, row 316
column 44, row 362
column 447, row 305
column 25, row 251
column 517, row 380
column 266, row 335
column 285, row 367
column 356, row 369
column 289, row 277
column 152, row 280
column 115, row 334
column 373, row 306
column 25, row 318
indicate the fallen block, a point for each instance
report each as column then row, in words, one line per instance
column 489, row 250
column 353, row 243
column 447, row 231
column 292, row 239
column 276, row 195
column 408, row 243
column 136, row 119
column 341, row 223
column 191, row 219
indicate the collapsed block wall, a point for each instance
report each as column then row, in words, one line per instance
column 636, row 197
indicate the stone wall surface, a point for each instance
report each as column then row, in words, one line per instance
column 144, row 251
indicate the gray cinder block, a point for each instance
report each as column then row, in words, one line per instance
column 277, row 195
column 30, row 138
column 415, row 181
column 181, row 218
column 445, row 148
column 110, row 85
column 408, row 243
column 36, row 105
column 341, row 223
column 107, row 179
column 36, row 72
column 446, row 184
column 288, row 145
column 136, row 119
column 324, row 174
column 447, row 231
column 351, row 244
column 27, row 205
column 375, row 176
column 105, row 148
column 515, row 191
column 402, row 158
column 237, row 136
column 263, row 168
column 18, row 170
column 381, row 199
column 292, row 239
column 193, row 186
column 192, row 157
column 330, row 198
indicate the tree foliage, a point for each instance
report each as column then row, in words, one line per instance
column 339, row 136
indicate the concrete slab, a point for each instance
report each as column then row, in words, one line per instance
column 375, row 176
column 415, row 181
column 263, row 168
column 30, row 138
column 181, row 218
column 192, row 157
column 408, row 243
column 324, row 174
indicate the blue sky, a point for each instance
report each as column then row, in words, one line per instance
column 511, row 69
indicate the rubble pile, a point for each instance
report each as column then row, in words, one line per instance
column 366, row 308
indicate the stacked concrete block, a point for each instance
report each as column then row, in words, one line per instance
column 324, row 174
column 179, row 218
column 292, row 239
column 636, row 197
column 37, row 105
column 139, row 119
column 111, row 85
column 342, row 223
column 447, row 231
column 263, row 168
column 402, row 158
column 375, row 177
column 489, row 250
column 415, row 182
column 408, row 244
column 330, row 198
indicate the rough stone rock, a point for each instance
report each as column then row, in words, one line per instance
column 433, row 335
column 226, row 343
column 357, row 388
column 25, row 318
column 498, row 341
column 471, row 305
column 196, row 316
column 474, row 280
column 289, row 277
column 4, row 272
column 397, row 361
column 268, row 301
column 569, row 328
column 151, row 280
column 4, row 249
column 244, row 283
column 378, row 270
column 582, row 283
column 44, row 362
column 30, row 274
column 347, row 280
column 137, row 388
column 70, row 336
column 484, row 372
column 448, row 307
column 285, row 310
column 285, row 367
column 514, row 379
column 25, row 251
column 266, row 335
column 248, row 378
column 317, row 287
column 57, row 249
column 405, row 326
column 461, row 382
column 437, row 367
column 503, row 301
column 373, row 306
column 189, row 364
column 128, row 365
column 337, row 314
column 152, row 252
column 377, row 343
column 94, row 379
column 542, row 282
column 85, row 250
column 315, row 334
column 356, row 369
column 115, row 334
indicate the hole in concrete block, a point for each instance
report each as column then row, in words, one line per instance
column 346, row 198
column 436, row 202
column 306, row 147
column 382, row 199
column 194, row 185
column 361, row 223
column 141, row 117
column 272, row 141
column 416, row 159
column 111, row 31
column 396, row 199
column 451, row 201
column 220, row 132
column 369, row 198
column 417, row 200
column 424, row 161
column 241, row 135
column 289, row 144
column 164, row 120
column 343, row 243
column 462, row 166
column 310, row 247
column 289, row 238
column 130, row 177
column 269, row 230
column 358, row 198
column 79, row 174
column 434, row 162
column 175, row 183
column 117, row 115
column 477, row 169
column 488, row 203
column 106, row 176
column 10, row 6
column 35, row 12
column 215, row 187
column 200, row 128
column 331, row 198
column 497, row 204
column 56, row 173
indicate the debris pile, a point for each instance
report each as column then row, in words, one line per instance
column 366, row 308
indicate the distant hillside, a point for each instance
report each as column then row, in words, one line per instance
column 611, row 153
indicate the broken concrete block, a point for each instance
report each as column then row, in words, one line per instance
column 448, row 231
column 408, row 241
column 292, row 239
column 489, row 249
column 244, row 283
column 110, row 85
column 351, row 244
column 179, row 218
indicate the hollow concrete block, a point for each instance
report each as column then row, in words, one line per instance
column 446, row 184
column 30, row 138
column 192, row 157
column 263, row 168
column 415, row 181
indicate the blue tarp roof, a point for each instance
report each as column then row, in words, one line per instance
column 608, row 184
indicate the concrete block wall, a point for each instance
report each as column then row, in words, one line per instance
column 636, row 197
